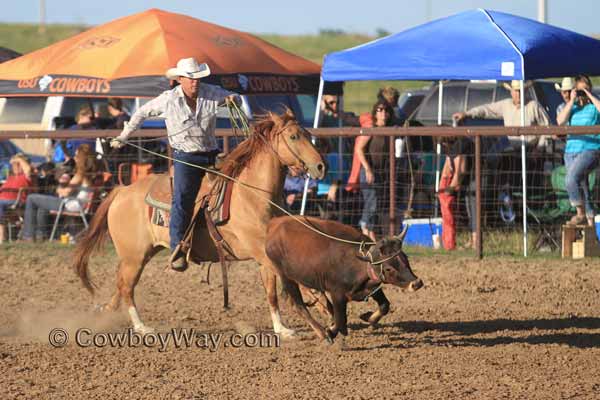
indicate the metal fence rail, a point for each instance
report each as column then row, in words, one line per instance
column 494, row 180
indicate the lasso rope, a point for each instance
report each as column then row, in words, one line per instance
column 245, row 185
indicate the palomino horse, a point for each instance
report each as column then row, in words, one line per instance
column 258, row 163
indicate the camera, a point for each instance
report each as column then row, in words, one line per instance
column 581, row 93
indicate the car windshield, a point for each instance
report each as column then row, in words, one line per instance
column 22, row 110
column 303, row 106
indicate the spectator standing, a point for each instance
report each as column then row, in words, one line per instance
column 582, row 151
column 116, row 111
column 370, row 153
column 510, row 111
column 391, row 95
column 565, row 91
column 454, row 172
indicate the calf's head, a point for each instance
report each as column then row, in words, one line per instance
column 391, row 264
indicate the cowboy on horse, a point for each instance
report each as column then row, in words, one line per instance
column 190, row 112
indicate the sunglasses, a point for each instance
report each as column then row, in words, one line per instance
column 381, row 109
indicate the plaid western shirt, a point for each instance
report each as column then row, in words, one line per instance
column 187, row 132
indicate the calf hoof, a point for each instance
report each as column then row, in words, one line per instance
column 366, row 316
column 331, row 333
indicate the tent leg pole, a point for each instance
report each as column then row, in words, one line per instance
column 438, row 152
column 478, row 241
column 315, row 125
column 524, row 170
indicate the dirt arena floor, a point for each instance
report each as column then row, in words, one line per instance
column 498, row 329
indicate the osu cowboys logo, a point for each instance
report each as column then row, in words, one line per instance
column 99, row 41
column 243, row 80
column 44, row 82
column 222, row 41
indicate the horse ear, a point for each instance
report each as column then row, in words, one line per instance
column 289, row 113
column 276, row 119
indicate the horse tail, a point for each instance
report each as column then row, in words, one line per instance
column 92, row 239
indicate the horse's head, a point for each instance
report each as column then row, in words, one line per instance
column 292, row 144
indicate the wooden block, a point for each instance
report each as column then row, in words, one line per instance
column 578, row 250
column 585, row 246
column 568, row 237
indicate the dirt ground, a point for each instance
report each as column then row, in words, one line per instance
column 500, row 328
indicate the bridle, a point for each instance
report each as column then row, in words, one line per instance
column 290, row 146
column 372, row 273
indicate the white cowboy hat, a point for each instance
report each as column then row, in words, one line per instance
column 189, row 68
column 567, row 84
column 516, row 85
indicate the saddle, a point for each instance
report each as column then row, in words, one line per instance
column 217, row 202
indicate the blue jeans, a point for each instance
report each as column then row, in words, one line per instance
column 369, row 195
column 37, row 210
column 579, row 166
column 186, row 184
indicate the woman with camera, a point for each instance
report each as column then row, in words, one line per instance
column 581, row 152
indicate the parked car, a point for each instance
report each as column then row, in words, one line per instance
column 49, row 113
column 460, row 96
column 408, row 102
column 463, row 95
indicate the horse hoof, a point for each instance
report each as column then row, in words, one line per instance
column 143, row 329
column 286, row 333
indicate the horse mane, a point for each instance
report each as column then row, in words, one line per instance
column 262, row 134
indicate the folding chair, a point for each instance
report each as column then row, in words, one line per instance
column 556, row 208
column 95, row 194
column 83, row 213
column 14, row 217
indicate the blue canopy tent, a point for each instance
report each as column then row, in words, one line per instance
column 475, row 44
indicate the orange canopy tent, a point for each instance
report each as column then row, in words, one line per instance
column 128, row 57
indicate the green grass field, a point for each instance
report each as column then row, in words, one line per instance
column 359, row 96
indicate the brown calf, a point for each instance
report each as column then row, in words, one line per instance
column 343, row 270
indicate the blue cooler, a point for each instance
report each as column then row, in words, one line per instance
column 421, row 230
column 597, row 223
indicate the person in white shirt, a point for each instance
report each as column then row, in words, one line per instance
column 190, row 111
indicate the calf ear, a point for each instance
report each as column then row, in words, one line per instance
column 370, row 254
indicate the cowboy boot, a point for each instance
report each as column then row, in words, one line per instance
column 178, row 261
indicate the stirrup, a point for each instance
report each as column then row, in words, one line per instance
column 178, row 260
column 180, row 264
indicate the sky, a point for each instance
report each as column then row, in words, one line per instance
column 305, row 16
